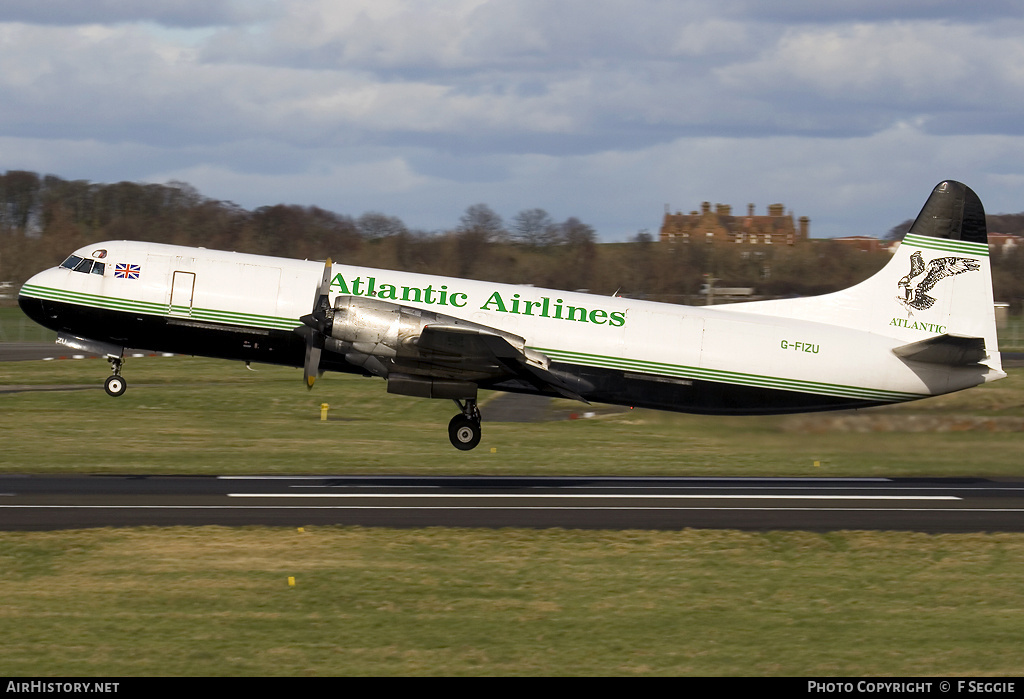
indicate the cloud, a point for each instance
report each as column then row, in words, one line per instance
column 789, row 12
column 875, row 74
column 601, row 109
column 172, row 13
column 912, row 62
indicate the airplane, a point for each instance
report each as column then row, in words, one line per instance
column 923, row 325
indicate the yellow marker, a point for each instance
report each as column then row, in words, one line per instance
column 324, row 407
column 291, row 581
column 817, row 464
column 494, row 450
column 302, row 530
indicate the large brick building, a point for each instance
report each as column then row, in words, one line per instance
column 721, row 226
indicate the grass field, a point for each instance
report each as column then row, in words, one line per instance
column 187, row 415
column 216, row 601
column 509, row 602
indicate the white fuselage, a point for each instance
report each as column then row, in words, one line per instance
column 251, row 296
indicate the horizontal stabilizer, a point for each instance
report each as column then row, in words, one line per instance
column 950, row 350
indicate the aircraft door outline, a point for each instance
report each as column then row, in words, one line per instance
column 182, row 292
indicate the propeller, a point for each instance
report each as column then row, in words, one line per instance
column 316, row 326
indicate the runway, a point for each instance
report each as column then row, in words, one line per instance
column 821, row 504
column 817, row 504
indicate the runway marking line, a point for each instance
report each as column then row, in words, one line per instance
column 602, row 479
column 511, row 507
column 593, row 496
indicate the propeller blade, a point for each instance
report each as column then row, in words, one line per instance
column 322, row 302
column 315, row 324
column 311, row 368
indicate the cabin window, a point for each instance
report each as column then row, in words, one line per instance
column 84, row 266
column 71, row 262
column 98, row 268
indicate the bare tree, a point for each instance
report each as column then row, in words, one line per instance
column 897, row 232
column 481, row 222
column 581, row 252
column 534, row 227
column 577, row 234
column 478, row 228
column 374, row 225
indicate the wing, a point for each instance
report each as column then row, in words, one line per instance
column 415, row 345
column 485, row 351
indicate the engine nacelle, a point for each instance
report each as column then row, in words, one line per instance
column 383, row 329
column 372, row 326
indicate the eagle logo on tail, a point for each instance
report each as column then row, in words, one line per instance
column 915, row 296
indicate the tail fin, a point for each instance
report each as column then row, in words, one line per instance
column 938, row 283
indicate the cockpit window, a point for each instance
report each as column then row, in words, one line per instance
column 77, row 264
column 71, row 262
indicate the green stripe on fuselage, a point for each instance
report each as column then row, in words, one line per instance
column 160, row 309
column 565, row 356
column 730, row 377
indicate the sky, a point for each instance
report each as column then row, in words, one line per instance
column 605, row 110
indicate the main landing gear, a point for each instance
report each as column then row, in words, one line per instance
column 464, row 429
column 115, row 385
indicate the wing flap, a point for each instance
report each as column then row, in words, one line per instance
column 475, row 344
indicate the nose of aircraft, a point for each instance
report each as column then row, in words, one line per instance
column 31, row 301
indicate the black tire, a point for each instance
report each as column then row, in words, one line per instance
column 463, row 432
column 115, row 386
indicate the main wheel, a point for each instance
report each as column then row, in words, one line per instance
column 463, row 432
column 115, row 386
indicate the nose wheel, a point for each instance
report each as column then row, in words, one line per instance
column 115, row 385
column 464, row 429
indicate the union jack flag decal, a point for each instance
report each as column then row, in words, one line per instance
column 122, row 271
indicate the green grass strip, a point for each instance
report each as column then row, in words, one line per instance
column 446, row 602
